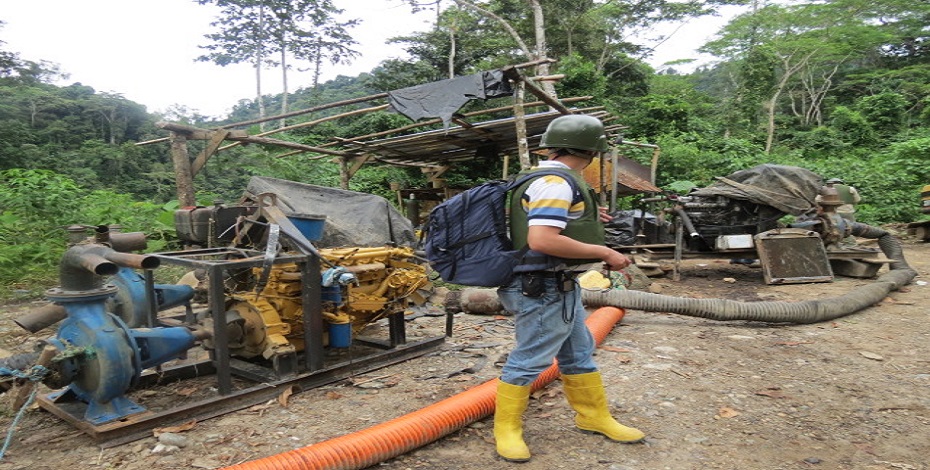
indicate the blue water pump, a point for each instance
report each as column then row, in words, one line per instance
column 98, row 356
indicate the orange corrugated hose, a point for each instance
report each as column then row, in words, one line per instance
column 400, row 435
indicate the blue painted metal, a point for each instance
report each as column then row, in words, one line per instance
column 129, row 303
column 101, row 358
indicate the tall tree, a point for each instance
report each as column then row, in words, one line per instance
column 324, row 37
column 309, row 30
column 242, row 37
column 253, row 30
column 598, row 31
column 9, row 61
column 809, row 44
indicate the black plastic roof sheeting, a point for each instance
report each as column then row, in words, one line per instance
column 444, row 98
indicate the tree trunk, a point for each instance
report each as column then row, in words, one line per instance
column 451, row 52
column 540, row 31
column 282, row 123
column 520, row 122
column 258, row 67
column 539, row 27
column 772, row 103
column 317, row 64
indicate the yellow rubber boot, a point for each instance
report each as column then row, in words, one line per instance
column 585, row 392
column 508, row 421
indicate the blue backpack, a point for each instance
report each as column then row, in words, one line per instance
column 467, row 236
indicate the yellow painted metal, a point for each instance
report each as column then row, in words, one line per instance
column 388, row 282
column 925, row 199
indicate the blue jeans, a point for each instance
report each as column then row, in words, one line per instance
column 547, row 327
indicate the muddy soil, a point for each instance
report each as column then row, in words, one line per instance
column 852, row 393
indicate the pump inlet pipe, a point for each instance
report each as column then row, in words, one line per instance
column 378, row 443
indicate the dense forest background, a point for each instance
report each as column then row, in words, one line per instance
column 841, row 87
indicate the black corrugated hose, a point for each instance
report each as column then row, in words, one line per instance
column 808, row 311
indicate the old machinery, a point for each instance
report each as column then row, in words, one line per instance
column 98, row 356
column 731, row 217
column 368, row 284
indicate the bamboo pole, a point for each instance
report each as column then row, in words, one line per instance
column 308, row 110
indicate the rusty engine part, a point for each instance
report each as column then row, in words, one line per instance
column 383, row 281
column 707, row 218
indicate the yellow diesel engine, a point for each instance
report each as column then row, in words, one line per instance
column 367, row 285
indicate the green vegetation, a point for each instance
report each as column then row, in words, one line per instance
column 841, row 87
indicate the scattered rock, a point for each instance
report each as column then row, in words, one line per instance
column 871, row 355
column 164, row 449
column 172, row 439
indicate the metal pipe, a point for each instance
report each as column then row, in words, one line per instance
column 130, row 260
column 41, row 318
column 98, row 260
column 686, row 222
column 126, row 242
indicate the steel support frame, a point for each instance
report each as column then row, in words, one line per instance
column 313, row 374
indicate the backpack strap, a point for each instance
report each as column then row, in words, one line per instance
column 533, row 260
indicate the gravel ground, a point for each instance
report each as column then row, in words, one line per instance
column 852, row 393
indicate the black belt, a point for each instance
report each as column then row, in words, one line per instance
column 551, row 274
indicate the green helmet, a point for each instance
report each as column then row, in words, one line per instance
column 575, row 131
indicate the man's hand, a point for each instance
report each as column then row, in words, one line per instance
column 616, row 261
column 604, row 216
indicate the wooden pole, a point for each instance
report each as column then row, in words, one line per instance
column 519, row 120
column 183, row 177
column 602, row 180
column 614, row 174
column 344, row 173
column 308, row 110
column 514, row 75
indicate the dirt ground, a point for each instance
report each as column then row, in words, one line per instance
column 853, row 393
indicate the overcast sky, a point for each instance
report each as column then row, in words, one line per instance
column 144, row 50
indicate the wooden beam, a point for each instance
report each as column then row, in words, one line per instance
column 153, row 141
column 357, row 163
column 551, row 78
column 533, row 63
column 208, row 151
column 308, row 110
column 313, row 123
column 433, row 172
column 196, row 133
column 293, row 145
column 325, row 119
column 534, row 104
column 515, row 75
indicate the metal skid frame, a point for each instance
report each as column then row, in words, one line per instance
column 270, row 381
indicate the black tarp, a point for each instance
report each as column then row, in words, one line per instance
column 626, row 224
column 444, row 98
column 352, row 218
column 789, row 189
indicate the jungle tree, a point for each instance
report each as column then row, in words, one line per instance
column 253, row 30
